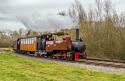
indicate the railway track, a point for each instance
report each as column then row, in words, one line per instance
column 96, row 62
column 103, row 63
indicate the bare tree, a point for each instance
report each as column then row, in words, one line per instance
column 101, row 28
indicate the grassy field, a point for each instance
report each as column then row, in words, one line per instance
column 13, row 68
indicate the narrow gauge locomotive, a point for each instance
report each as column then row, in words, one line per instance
column 47, row 45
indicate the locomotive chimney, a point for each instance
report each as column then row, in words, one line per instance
column 77, row 34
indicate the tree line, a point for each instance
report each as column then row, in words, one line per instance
column 102, row 28
column 7, row 37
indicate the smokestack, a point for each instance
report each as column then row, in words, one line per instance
column 77, row 34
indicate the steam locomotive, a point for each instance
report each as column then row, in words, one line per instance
column 49, row 45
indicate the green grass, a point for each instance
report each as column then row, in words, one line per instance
column 13, row 68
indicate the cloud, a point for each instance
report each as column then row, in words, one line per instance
column 10, row 25
column 15, row 6
column 41, row 14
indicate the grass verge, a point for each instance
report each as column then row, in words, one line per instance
column 13, row 68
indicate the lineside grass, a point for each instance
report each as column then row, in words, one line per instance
column 13, row 68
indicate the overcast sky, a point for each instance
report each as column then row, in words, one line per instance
column 36, row 12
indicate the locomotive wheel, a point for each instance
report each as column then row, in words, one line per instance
column 38, row 55
column 27, row 53
column 69, row 58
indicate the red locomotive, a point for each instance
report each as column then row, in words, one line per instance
column 47, row 45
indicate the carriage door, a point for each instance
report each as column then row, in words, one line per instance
column 42, row 44
column 18, row 44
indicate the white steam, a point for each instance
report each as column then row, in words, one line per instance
column 44, row 23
